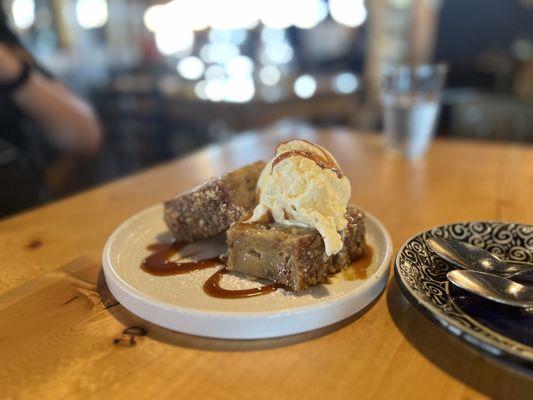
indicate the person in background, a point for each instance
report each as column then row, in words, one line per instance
column 30, row 95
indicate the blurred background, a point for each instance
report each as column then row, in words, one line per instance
column 168, row 77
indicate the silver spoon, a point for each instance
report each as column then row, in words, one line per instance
column 467, row 256
column 492, row 287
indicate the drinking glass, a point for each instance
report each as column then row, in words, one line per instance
column 411, row 96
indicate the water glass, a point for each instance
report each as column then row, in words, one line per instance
column 411, row 98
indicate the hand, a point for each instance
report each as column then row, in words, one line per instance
column 10, row 65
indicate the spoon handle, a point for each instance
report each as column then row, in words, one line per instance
column 525, row 276
column 518, row 266
column 493, row 287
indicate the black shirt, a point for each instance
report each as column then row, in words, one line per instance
column 20, row 183
column 11, row 118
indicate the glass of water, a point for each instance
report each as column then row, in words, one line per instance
column 411, row 102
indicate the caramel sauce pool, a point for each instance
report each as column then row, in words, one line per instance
column 358, row 269
column 158, row 263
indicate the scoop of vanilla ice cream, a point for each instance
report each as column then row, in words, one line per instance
column 303, row 185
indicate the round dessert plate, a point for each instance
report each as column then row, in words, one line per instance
column 178, row 302
column 498, row 330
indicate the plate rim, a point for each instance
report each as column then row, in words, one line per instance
column 477, row 341
column 107, row 267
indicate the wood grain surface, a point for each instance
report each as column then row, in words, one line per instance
column 62, row 335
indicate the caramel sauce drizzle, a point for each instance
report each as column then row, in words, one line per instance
column 212, row 288
column 326, row 155
column 158, row 263
column 321, row 162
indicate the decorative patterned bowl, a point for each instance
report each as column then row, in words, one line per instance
column 500, row 331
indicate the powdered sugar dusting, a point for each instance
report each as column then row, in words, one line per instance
column 185, row 292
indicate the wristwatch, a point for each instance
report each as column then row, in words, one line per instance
column 18, row 81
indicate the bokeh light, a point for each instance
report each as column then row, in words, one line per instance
column 351, row 13
column 92, row 14
column 219, row 52
column 276, row 14
column 234, row 36
column 269, row 35
column 199, row 90
column 153, row 17
column 270, row 75
column 191, row 68
column 345, row 83
column 305, row 86
column 241, row 66
column 239, row 90
column 309, row 13
column 230, row 14
column 215, row 71
column 190, row 14
column 227, row 74
column 215, row 89
column 23, row 13
column 277, row 53
column 174, row 40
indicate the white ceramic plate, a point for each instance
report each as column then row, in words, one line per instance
column 179, row 303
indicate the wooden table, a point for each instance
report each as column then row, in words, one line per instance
column 63, row 336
